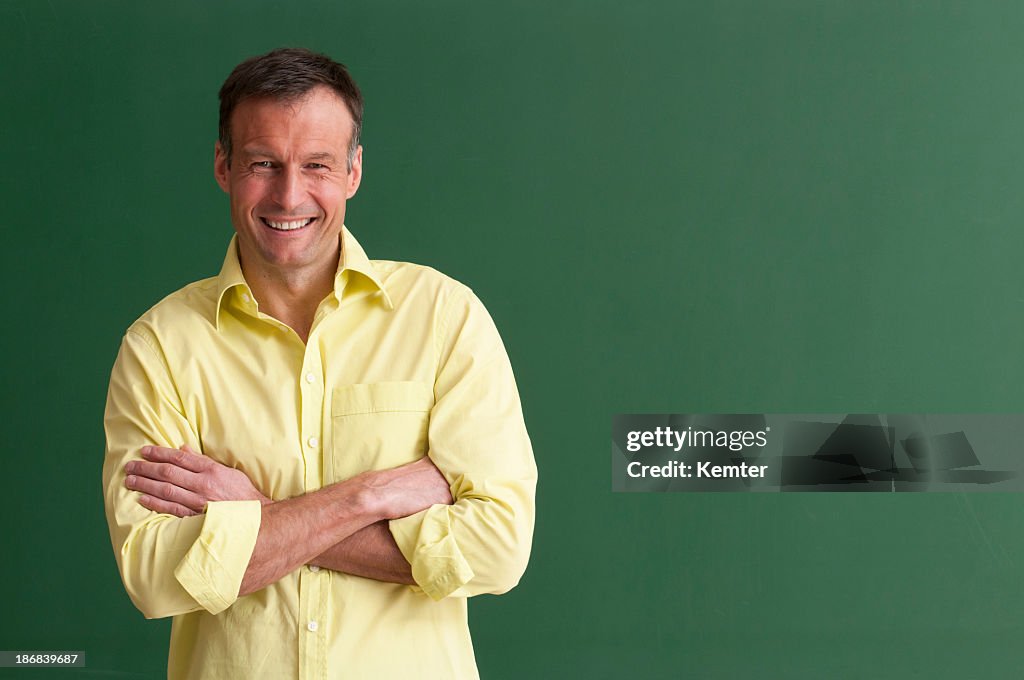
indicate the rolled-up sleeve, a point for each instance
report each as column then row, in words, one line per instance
column 478, row 439
column 169, row 565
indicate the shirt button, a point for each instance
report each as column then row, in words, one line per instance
column 312, row 442
column 246, row 297
column 312, row 626
column 310, row 378
column 313, row 568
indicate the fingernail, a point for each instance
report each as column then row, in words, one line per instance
column 146, row 450
column 129, row 480
column 129, row 467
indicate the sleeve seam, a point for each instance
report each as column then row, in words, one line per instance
column 179, row 406
column 440, row 332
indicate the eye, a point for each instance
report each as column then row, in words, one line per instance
column 261, row 167
column 316, row 166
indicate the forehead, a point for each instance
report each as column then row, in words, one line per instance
column 319, row 120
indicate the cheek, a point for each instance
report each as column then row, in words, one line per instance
column 330, row 199
column 247, row 193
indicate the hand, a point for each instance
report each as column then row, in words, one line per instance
column 405, row 490
column 181, row 482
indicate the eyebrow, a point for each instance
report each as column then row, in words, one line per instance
column 321, row 156
column 256, row 151
column 259, row 151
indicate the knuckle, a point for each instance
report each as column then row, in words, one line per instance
column 204, row 487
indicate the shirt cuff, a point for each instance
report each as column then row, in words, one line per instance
column 427, row 543
column 212, row 569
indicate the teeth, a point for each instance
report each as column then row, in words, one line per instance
column 287, row 226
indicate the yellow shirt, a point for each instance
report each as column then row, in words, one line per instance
column 401, row 362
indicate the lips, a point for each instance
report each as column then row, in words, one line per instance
column 287, row 225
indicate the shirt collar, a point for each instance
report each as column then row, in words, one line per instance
column 353, row 259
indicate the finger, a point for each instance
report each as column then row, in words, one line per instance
column 189, row 460
column 163, row 491
column 163, row 472
column 165, row 507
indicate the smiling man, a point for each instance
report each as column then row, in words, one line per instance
column 313, row 458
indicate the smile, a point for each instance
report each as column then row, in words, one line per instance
column 290, row 225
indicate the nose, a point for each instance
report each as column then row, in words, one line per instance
column 289, row 190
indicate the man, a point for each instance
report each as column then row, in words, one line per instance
column 313, row 458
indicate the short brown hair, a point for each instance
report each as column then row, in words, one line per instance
column 287, row 74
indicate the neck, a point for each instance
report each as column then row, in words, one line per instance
column 292, row 297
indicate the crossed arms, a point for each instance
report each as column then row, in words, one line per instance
column 340, row 527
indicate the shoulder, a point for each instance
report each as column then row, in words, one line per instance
column 407, row 282
column 456, row 313
column 185, row 312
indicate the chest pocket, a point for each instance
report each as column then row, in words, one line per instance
column 378, row 426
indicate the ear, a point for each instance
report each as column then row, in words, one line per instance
column 355, row 175
column 221, row 167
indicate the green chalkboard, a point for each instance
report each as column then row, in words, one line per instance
column 806, row 206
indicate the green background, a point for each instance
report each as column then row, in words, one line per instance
column 753, row 206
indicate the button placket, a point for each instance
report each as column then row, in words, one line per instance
column 312, row 396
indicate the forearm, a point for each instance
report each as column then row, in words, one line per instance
column 371, row 553
column 295, row 531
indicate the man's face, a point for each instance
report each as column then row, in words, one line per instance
column 288, row 180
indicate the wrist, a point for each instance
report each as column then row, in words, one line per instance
column 368, row 497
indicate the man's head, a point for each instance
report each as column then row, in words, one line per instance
column 287, row 75
column 289, row 159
